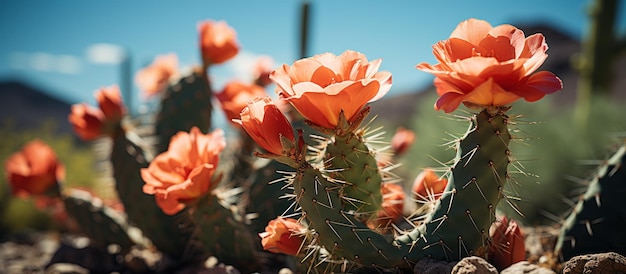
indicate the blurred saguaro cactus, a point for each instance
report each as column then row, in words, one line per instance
column 601, row 47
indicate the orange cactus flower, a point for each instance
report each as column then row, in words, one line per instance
column 218, row 42
column 87, row 121
column 266, row 125
column 34, row 170
column 402, row 140
column 110, row 102
column 184, row 172
column 392, row 207
column 262, row 69
column 282, row 235
column 322, row 86
column 507, row 244
column 154, row 78
column 236, row 95
column 428, row 184
column 393, row 200
column 489, row 66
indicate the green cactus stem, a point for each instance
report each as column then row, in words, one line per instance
column 340, row 239
column 458, row 227
column 170, row 234
column 600, row 50
column 101, row 224
column 351, row 161
column 185, row 104
column 596, row 222
column 221, row 231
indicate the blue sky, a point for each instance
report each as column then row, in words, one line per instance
column 45, row 43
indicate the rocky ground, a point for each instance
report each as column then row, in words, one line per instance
column 38, row 252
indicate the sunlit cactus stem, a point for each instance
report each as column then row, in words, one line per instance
column 459, row 226
column 339, row 233
column 600, row 50
column 351, row 161
column 596, row 221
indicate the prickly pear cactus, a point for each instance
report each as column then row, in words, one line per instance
column 185, row 103
column 267, row 193
column 342, row 239
column 351, row 160
column 335, row 187
column 474, row 190
column 169, row 234
column 220, row 230
column 596, row 222
column 101, row 224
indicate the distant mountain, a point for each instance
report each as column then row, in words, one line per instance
column 30, row 107
column 398, row 110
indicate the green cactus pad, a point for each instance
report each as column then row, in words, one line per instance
column 103, row 225
column 596, row 222
column 459, row 226
column 185, row 104
column 352, row 162
column 170, row 234
column 339, row 237
column 221, row 232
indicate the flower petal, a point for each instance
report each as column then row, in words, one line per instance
column 489, row 66
column 472, row 30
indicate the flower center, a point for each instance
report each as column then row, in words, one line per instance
column 489, row 53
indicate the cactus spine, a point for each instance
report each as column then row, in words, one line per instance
column 474, row 189
column 596, row 222
column 352, row 162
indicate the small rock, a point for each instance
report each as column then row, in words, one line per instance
column 63, row 268
column 285, row 271
column 429, row 265
column 609, row 262
column 474, row 265
column 526, row 267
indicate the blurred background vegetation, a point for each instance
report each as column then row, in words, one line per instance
column 20, row 215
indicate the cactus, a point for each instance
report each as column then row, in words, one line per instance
column 168, row 233
column 101, row 224
column 185, row 104
column 350, row 160
column 221, row 230
column 596, row 222
column 341, row 237
column 337, row 189
column 600, row 49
